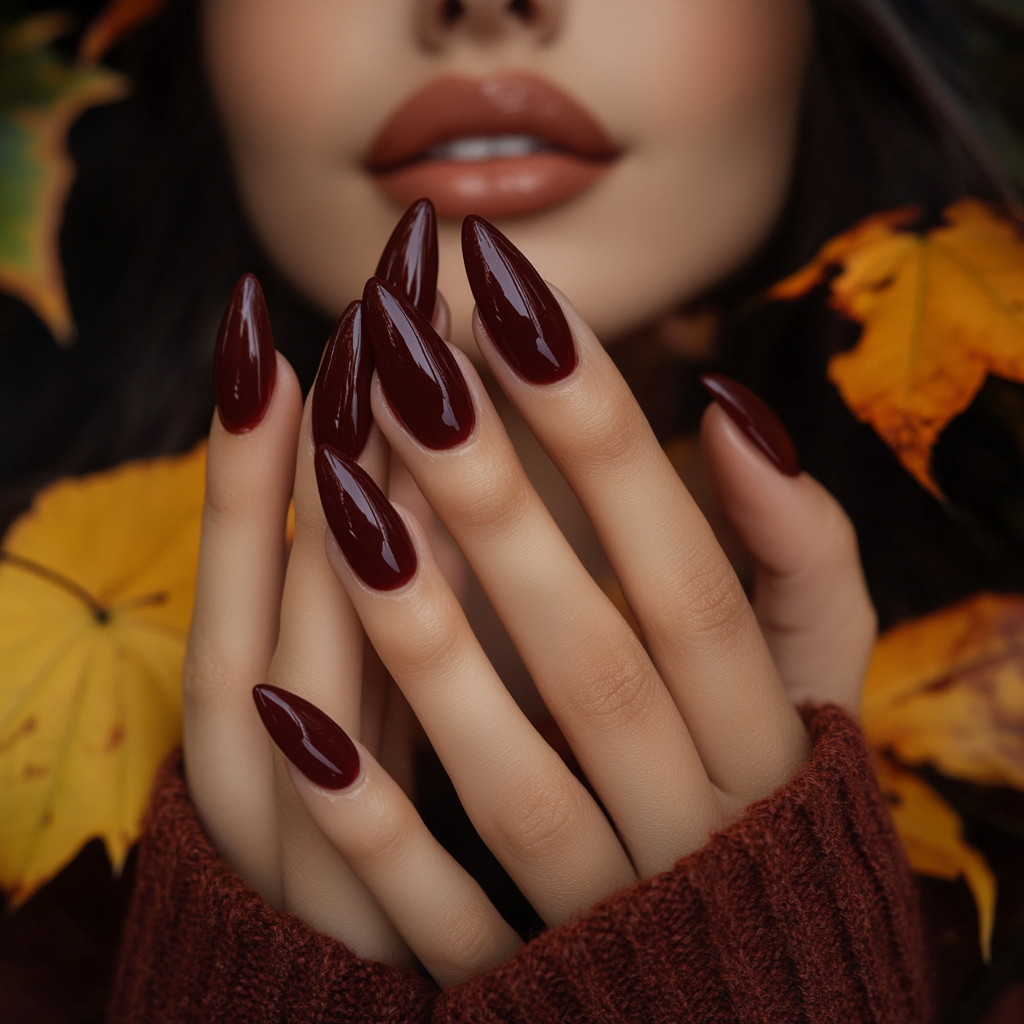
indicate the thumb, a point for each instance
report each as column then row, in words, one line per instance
column 810, row 596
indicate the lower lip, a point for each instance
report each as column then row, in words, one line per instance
column 509, row 187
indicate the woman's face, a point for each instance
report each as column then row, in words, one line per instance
column 637, row 151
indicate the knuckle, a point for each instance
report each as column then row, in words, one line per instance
column 718, row 610
column 540, row 824
column 222, row 504
column 618, row 689
column 462, row 939
column 491, row 502
column 386, row 840
column 610, row 433
column 425, row 644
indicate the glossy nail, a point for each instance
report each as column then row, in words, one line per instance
column 368, row 530
column 244, row 364
column 759, row 424
column 522, row 316
column 314, row 743
column 341, row 398
column 409, row 260
column 419, row 375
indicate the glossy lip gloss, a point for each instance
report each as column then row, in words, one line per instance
column 541, row 147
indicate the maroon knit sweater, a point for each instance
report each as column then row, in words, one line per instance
column 802, row 911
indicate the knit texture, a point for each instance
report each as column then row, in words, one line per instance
column 804, row 910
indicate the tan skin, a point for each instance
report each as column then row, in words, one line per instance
column 678, row 735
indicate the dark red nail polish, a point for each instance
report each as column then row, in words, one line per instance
column 244, row 365
column 368, row 530
column 521, row 314
column 421, row 380
column 409, row 260
column 759, row 424
column 314, row 743
column 341, row 399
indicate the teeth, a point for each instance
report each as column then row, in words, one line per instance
column 487, row 147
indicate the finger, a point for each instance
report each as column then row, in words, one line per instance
column 697, row 623
column 810, row 595
column 340, row 416
column 319, row 656
column 534, row 815
column 440, row 911
column 587, row 663
column 228, row 762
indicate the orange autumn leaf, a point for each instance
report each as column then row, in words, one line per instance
column 948, row 690
column 113, row 23
column 932, row 835
column 96, row 592
column 941, row 311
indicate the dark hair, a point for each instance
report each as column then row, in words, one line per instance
column 154, row 239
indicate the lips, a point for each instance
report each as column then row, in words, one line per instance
column 505, row 146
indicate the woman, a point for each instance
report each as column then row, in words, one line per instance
column 650, row 160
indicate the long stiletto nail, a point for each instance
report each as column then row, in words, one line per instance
column 421, row 380
column 759, row 424
column 409, row 260
column 244, row 365
column 314, row 743
column 341, row 399
column 368, row 530
column 521, row 314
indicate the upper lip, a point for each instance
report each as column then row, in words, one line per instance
column 511, row 104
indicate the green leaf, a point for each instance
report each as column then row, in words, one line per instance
column 41, row 96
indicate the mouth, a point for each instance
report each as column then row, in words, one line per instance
column 507, row 146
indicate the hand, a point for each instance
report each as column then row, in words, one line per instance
column 677, row 735
column 254, row 623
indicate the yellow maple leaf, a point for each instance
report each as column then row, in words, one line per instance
column 932, row 835
column 941, row 311
column 96, row 590
column 947, row 690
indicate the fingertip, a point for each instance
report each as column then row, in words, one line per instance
column 728, row 449
column 756, row 421
column 769, row 509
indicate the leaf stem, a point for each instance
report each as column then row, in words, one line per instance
column 101, row 612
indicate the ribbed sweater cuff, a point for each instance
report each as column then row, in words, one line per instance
column 803, row 910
